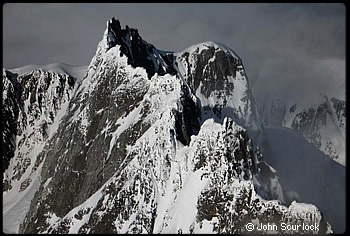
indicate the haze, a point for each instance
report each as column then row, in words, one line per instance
column 38, row 33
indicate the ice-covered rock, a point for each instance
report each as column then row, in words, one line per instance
column 146, row 142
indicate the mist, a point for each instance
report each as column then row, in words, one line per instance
column 49, row 33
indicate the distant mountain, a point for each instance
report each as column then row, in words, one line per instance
column 320, row 116
column 307, row 174
column 321, row 123
column 146, row 141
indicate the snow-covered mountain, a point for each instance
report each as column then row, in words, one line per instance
column 146, row 141
column 34, row 100
column 304, row 119
column 320, row 116
column 321, row 123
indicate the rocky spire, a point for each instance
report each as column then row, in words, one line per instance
column 139, row 52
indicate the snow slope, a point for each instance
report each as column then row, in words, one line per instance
column 307, row 174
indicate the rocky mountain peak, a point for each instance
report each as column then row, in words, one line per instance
column 147, row 142
column 138, row 51
column 117, row 36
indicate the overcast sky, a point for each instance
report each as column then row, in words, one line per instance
column 48, row 33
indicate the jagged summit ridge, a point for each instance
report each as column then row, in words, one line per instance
column 117, row 35
column 139, row 52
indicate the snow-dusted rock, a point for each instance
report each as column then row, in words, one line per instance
column 34, row 103
column 147, row 142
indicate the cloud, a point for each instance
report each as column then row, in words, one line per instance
column 48, row 33
column 303, row 80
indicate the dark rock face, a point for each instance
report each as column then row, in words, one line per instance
column 216, row 76
column 213, row 74
column 98, row 138
column 11, row 108
column 340, row 110
column 91, row 156
column 310, row 122
column 187, row 121
column 32, row 102
column 139, row 52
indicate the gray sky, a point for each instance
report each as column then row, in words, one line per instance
column 40, row 33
